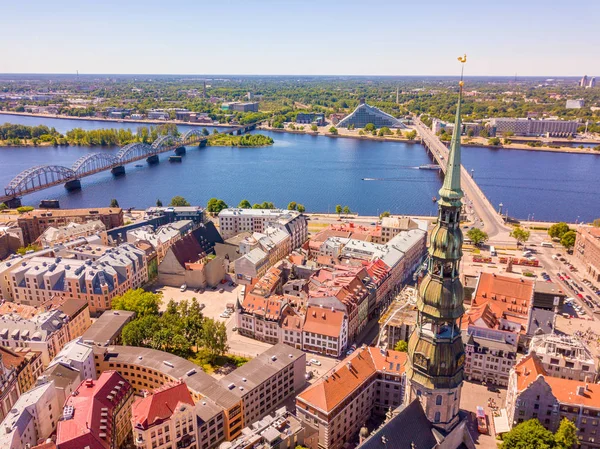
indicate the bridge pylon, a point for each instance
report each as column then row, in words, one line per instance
column 13, row 203
column 72, row 185
column 119, row 170
column 179, row 150
column 153, row 159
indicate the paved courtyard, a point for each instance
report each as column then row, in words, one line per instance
column 474, row 394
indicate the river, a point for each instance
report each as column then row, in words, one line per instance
column 321, row 172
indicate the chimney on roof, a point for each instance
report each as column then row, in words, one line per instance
column 581, row 390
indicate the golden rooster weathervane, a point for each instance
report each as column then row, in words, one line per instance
column 462, row 60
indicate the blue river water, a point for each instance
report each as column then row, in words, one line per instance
column 321, row 172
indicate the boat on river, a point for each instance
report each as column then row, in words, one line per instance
column 429, row 167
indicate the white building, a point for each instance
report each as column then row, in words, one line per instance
column 32, row 418
column 79, row 356
column 161, row 239
column 53, row 236
column 233, row 221
column 564, row 356
column 574, row 104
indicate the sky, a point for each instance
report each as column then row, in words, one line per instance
column 290, row 37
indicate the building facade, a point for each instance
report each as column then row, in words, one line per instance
column 532, row 127
column 369, row 381
column 532, row 393
column 365, row 114
column 587, row 249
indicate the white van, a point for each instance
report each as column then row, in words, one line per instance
column 493, row 251
column 547, row 245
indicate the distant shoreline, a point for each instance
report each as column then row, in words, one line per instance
column 105, row 119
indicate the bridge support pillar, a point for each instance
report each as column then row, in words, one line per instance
column 180, row 150
column 13, row 203
column 153, row 159
column 202, row 144
column 72, row 185
column 118, row 170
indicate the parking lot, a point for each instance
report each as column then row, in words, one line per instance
column 213, row 301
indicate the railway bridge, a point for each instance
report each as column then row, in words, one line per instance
column 42, row 177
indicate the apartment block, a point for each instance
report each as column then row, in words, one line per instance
column 56, row 235
column 93, row 274
column 34, row 223
column 97, row 414
column 564, row 356
column 587, row 249
column 532, row 393
column 369, row 381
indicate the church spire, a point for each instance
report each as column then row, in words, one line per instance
column 451, row 193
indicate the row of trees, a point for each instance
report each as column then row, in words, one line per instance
column 181, row 329
column 296, row 206
column 532, row 435
column 246, row 140
column 339, row 209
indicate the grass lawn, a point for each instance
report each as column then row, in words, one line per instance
column 221, row 362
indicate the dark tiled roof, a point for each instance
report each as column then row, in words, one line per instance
column 409, row 426
column 199, row 242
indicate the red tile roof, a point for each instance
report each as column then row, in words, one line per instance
column 565, row 391
column 159, row 406
column 83, row 429
column 323, row 321
column 353, row 372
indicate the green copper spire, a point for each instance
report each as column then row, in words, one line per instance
column 451, row 193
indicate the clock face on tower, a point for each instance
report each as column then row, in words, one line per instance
column 461, row 360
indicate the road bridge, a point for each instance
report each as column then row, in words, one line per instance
column 493, row 224
column 42, row 177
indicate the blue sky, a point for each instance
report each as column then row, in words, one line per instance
column 501, row 37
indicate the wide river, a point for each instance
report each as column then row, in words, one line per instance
column 321, row 172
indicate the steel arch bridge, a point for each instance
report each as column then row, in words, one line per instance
column 93, row 163
column 191, row 133
column 163, row 141
column 40, row 176
column 44, row 176
column 134, row 151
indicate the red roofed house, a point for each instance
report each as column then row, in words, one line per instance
column 97, row 415
column 325, row 330
column 166, row 415
column 532, row 393
column 368, row 381
column 495, row 325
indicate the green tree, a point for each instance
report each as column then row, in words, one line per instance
column 114, row 203
column 214, row 338
column 346, row 210
column 401, row 346
column 568, row 239
column 494, row 141
column 139, row 301
column 384, row 131
column 411, row 135
column 140, row 332
column 384, row 214
column 361, row 132
column 3, row 206
column 477, row 236
column 178, row 201
column 557, row 230
column 596, row 223
column 215, row 205
column 245, row 204
column 470, row 132
column 333, row 130
column 301, row 208
column 23, row 209
column 338, row 209
column 484, row 133
column 370, row 127
column 399, row 132
column 205, row 131
column 31, row 247
column 566, row 435
column 528, row 435
column 314, row 128
column 520, row 235
column 159, row 203
column 292, row 205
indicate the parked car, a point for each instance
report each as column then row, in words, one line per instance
column 183, row 288
column 202, row 305
column 315, row 362
column 221, row 290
